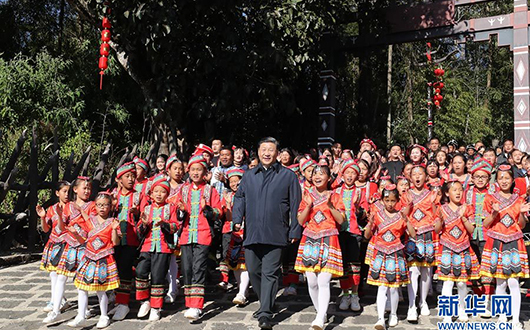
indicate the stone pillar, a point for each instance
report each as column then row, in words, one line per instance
column 521, row 80
column 326, row 110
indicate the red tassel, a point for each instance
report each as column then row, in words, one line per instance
column 101, row 80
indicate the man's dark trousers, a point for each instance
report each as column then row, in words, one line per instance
column 263, row 264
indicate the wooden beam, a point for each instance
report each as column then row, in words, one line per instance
column 112, row 177
column 81, row 163
column 68, row 170
column 14, row 156
column 98, row 173
column 469, row 2
column 34, row 181
column 6, row 185
column 51, row 160
column 356, row 44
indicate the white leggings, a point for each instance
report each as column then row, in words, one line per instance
column 82, row 302
column 243, row 280
column 319, row 291
column 172, row 275
column 447, row 290
column 515, row 293
column 426, row 277
column 58, row 291
column 393, row 295
column 53, row 280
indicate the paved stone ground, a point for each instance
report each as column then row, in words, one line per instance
column 24, row 291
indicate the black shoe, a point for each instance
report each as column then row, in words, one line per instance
column 275, row 309
column 264, row 323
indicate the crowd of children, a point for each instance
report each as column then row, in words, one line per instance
column 392, row 220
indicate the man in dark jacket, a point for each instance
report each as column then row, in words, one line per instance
column 267, row 201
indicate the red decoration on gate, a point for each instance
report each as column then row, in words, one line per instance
column 104, row 48
column 438, row 86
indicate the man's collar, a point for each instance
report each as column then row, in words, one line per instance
column 275, row 166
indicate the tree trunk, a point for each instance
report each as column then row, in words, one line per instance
column 389, row 97
column 488, row 73
column 409, row 94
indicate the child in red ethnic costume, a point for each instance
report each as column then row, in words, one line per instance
column 175, row 171
column 235, row 256
column 350, row 237
column 504, row 257
column 419, row 205
column 457, row 261
column 386, row 255
column 291, row 278
column 202, row 206
column 475, row 197
column 319, row 255
column 55, row 245
column 156, row 229
column 142, row 168
column 127, row 211
column 72, row 220
column 97, row 271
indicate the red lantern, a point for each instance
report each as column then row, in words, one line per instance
column 104, row 49
column 439, row 72
column 438, row 97
column 105, row 35
column 436, row 90
column 103, row 63
column 437, row 103
column 106, row 23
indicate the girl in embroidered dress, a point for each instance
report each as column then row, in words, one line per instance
column 235, row 256
column 386, row 256
column 72, row 219
column 459, row 170
column 97, row 271
column 319, row 255
column 504, row 257
column 442, row 161
column 433, row 175
column 56, row 243
column 418, row 205
column 350, row 238
column 161, row 161
column 156, row 229
column 290, row 278
column 417, row 154
column 456, row 260
column 175, row 171
column 142, row 168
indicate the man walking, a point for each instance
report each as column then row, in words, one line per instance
column 267, row 202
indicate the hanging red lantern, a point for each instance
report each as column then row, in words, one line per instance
column 103, row 63
column 437, row 103
column 104, row 49
column 439, row 85
column 437, row 90
column 106, row 23
column 438, row 97
column 105, row 35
